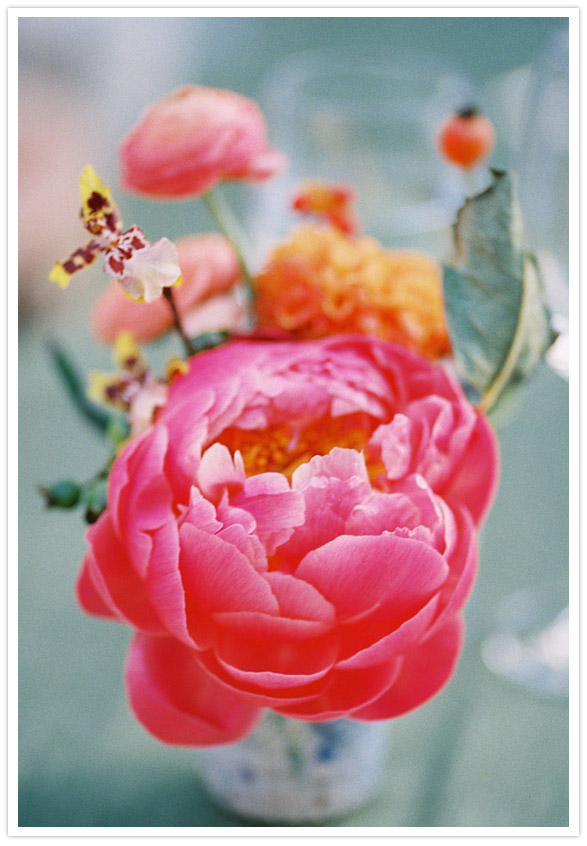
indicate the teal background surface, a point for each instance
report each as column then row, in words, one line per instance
column 484, row 752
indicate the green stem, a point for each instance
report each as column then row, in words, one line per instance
column 230, row 228
column 168, row 294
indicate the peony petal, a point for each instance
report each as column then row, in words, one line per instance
column 120, row 585
column 370, row 641
column 88, row 595
column 463, row 561
column 357, row 573
column 139, row 495
column 348, row 690
column 474, row 482
column 177, row 701
column 217, row 472
column 277, row 509
column 332, row 485
column 164, row 584
column 299, row 600
column 273, row 652
column 217, row 577
column 425, row 670
column 411, row 506
column 262, row 694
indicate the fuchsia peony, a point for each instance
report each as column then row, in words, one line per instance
column 209, row 268
column 296, row 531
column 193, row 139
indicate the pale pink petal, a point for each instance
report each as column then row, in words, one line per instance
column 275, row 507
column 150, row 270
column 265, row 165
column 218, row 473
column 209, row 265
column 114, row 312
column 222, row 313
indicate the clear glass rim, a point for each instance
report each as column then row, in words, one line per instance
column 287, row 86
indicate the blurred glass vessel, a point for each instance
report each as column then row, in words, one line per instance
column 368, row 119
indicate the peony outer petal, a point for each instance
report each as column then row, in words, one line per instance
column 126, row 591
column 88, row 595
column 177, row 701
column 348, row 689
column 425, row 671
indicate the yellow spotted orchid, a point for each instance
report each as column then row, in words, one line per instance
column 133, row 388
column 143, row 269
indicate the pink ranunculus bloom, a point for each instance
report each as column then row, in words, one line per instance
column 296, row 531
column 193, row 139
column 209, row 268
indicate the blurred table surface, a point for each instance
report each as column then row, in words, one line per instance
column 482, row 753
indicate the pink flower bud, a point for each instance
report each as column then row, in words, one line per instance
column 209, row 268
column 193, row 139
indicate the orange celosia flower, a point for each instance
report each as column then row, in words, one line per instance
column 331, row 202
column 322, row 282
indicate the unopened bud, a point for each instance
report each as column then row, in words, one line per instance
column 95, row 499
column 64, row 494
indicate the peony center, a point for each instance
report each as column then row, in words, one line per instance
column 283, row 447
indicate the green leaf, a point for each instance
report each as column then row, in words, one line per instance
column 208, row 340
column 498, row 320
column 75, row 386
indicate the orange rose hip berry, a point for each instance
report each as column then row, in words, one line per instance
column 466, row 138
